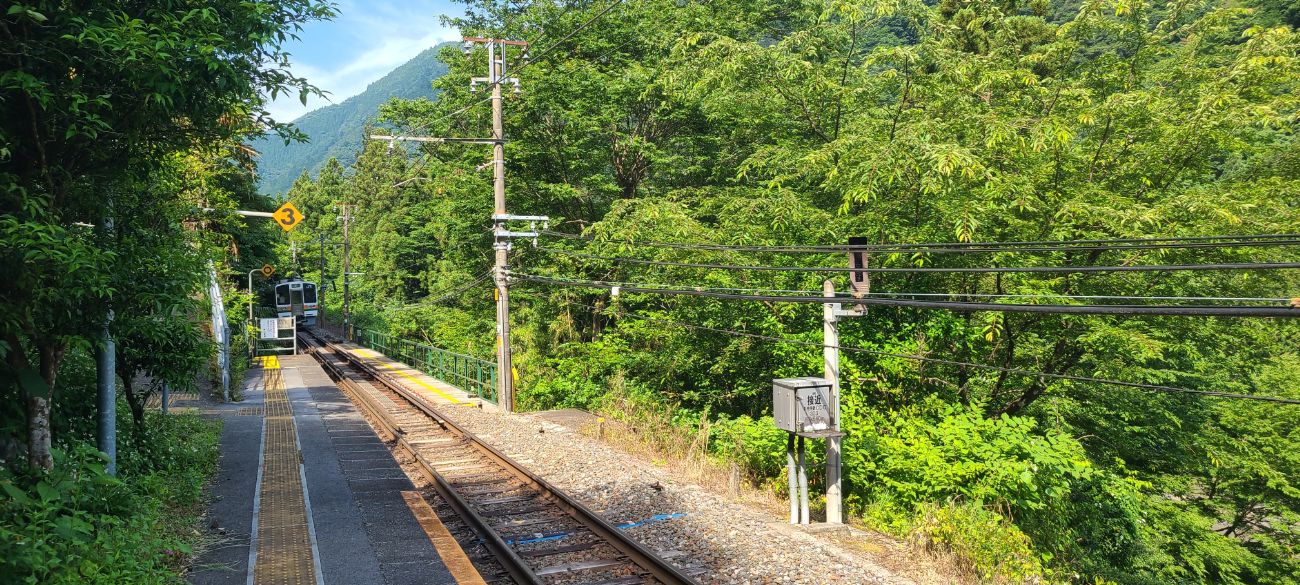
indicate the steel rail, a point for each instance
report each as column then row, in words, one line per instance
column 658, row 568
column 508, row 559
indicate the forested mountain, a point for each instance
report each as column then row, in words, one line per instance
column 335, row 130
column 676, row 143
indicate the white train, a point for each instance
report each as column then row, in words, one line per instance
column 295, row 297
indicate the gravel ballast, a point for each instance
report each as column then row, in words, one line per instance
column 728, row 542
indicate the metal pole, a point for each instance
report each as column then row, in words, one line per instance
column 251, row 297
column 505, row 379
column 792, row 474
column 831, row 356
column 252, row 340
column 803, row 484
column 106, row 366
column 166, row 395
column 106, row 382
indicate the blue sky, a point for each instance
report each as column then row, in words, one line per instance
column 366, row 40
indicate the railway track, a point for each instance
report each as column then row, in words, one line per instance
column 514, row 525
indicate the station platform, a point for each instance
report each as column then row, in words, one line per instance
column 437, row 391
column 308, row 494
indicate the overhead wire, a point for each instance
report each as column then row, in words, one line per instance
column 1002, row 369
column 466, row 108
column 1132, row 310
column 963, row 269
column 447, row 293
column 1112, row 244
column 535, row 58
column 905, row 294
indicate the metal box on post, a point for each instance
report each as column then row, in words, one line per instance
column 803, row 405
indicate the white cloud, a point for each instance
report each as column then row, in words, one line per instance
column 371, row 40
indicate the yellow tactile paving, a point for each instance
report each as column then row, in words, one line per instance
column 284, row 551
column 402, row 372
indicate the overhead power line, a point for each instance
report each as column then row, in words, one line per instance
column 451, row 114
column 458, row 112
column 1013, row 371
column 1113, row 244
column 1047, row 296
column 976, row 270
column 448, row 293
column 1166, row 310
column 1056, row 296
column 535, row 58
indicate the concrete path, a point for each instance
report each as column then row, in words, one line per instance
column 361, row 530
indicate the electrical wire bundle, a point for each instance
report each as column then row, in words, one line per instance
column 1078, row 304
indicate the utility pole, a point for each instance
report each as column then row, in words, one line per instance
column 831, row 361
column 502, row 236
column 347, row 270
column 859, row 286
column 496, row 77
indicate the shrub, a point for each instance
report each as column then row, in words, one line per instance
column 984, row 543
column 963, row 456
column 77, row 524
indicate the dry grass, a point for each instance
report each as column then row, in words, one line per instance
column 647, row 432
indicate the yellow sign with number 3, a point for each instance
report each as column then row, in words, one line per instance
column 287, row 216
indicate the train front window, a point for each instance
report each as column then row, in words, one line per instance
column 296, row 295
column 309, row 293
column 282, row 294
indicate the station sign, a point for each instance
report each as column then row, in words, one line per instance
column 270, row 328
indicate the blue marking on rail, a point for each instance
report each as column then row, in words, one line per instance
column 623, row 526
column 651, row 520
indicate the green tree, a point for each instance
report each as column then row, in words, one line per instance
column 95, row 95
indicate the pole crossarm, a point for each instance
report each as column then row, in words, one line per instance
column 491, row 40
column 433, row 139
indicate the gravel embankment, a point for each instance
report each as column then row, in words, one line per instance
column 733, row 543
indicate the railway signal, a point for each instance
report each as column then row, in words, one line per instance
column 267, row 270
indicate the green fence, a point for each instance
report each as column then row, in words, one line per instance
column 473, row 375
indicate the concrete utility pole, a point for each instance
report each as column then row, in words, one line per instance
column 502, row 235
column 496, row 77
column 831, row 361
column 347, row 270
column 859, row 286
